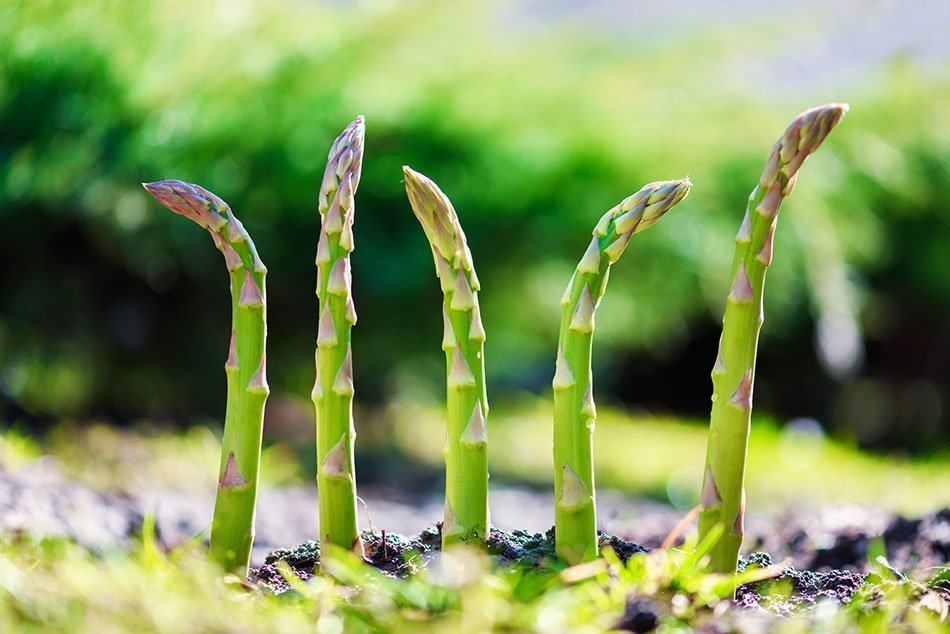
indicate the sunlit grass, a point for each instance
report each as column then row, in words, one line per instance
column 658, row 457
column 112, row 459
column 17, row 450
column 53, row 585
column 663, row 458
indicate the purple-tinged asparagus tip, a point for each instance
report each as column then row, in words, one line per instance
column 805, row 134
column 345, row 156
column 191, row 201
column 663, row 196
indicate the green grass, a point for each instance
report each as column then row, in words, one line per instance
column 56, row 586
column 113, row 460
column 659, row 457
column 663, row 457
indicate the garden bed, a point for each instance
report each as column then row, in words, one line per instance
column 912, row 544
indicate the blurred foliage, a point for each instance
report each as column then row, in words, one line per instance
column 111, row 305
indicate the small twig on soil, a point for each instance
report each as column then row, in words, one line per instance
column 369, row 517
column 681, row 525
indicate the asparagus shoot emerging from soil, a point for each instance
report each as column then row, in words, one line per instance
column 574, row 411
column 466, row 448
column 333, row 390
column 232, row 527
column 733, row 375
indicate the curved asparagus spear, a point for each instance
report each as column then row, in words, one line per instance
column 574, row 411
column 466, row 449
column 333, row 390
column 232, row 527
column 723, row 495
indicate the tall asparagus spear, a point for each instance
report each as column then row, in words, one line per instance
column 232, row 527
column 574, row 411
column 333, row 390
column 466, row 448
column 733, row 375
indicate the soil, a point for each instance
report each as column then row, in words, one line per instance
column 787, row 592
column 794, row 589
column 823, row 553
column 400, row 556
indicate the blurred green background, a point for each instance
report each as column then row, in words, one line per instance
column 535, row 118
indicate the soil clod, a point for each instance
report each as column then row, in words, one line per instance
column 640, row 615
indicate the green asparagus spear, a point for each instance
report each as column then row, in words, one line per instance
column 333, row 390
column 466, row 448
column 574, row 410
column 733, row 375
column 232, row 527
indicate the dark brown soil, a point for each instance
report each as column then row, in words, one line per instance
column 834, row 577
column 795, row 589
column 400, row 556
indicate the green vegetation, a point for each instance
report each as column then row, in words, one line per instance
column 463, row 340
column 723, row 496
column 574, row 409
column 53, row 585
column 333, row 390
column 96, row 94
column 661, row 457
column 466, row 519
column 232, row 529
column 100, row 95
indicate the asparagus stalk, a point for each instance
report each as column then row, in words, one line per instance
column 574, row 410
column 232, row 527
column 333, row 390
column 733, row 375
column 466, row 448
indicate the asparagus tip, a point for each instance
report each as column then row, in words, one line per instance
column 192, row 201
column 806, row 133
column 655, row 199
column 343, row 170
column 175, row 195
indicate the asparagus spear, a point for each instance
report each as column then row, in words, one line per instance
column 466, row 448
column 333, row 390
column 733, row 375
column 574, row 410
column 232, row 527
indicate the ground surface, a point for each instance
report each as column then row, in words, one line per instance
column 40, row 499
column 827, row 555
